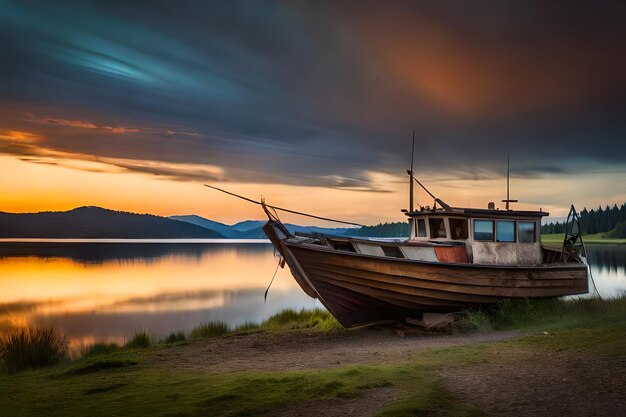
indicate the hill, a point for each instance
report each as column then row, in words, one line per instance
column 96, row 222
column 252, row 229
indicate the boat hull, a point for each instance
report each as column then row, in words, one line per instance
column 362, row 289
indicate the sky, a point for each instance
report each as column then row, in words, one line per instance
column 134, row 105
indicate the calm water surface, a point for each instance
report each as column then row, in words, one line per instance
column 94, row 291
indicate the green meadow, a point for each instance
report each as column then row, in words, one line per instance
column 594, row 239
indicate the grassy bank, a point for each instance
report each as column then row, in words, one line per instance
column 528, row 314
column 26, row 348
column 595, row 239
column 135, row 381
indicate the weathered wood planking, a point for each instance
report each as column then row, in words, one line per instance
column 360, row 289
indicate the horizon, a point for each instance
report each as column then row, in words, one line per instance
column 326, row 224
column 311, row 106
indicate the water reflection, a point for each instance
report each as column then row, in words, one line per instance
column 608, row 267
column 95, row 290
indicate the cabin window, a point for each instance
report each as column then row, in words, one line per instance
column 345, row 246
column 505, row 231
column 392, row 251
column 483, row 230
column 437, row 228
column 421, row 228
column 458, row 229
column 526, row 232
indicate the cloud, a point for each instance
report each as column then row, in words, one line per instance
column 89, row 125
column 317, row 95
column 19, row 136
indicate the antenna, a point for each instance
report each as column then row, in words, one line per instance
column 508, row 171
column 411, row 175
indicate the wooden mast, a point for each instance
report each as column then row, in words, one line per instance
column 508, row 198
column 411, row 175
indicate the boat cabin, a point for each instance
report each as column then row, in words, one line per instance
column 490, row 236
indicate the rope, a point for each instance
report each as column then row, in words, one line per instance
column 284, row 209
column 268, row 287
column 595, row 287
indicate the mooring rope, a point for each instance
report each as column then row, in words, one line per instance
column 268, row 287
column 284, row 209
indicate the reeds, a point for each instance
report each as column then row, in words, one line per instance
column 140, row 339
column 102, row 348
column 175, row 337
column 26, row 348
column 526, row 312
column 210, row 329
column 303, row 319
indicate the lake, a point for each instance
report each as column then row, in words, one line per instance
column 106, row 290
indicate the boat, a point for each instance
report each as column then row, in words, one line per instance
column 454, row 258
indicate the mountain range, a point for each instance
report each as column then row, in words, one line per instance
column 252, row 229
column 97, row 222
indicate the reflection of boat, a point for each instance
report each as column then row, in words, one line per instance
column 454, row 258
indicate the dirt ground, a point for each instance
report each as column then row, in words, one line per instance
column 521, row 382
column 282, row 351
column 527, row 383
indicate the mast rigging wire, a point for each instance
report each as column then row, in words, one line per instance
column 283, row 209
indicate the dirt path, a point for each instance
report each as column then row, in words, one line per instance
column 519, row 380
column 531, row 383
column 310, row 350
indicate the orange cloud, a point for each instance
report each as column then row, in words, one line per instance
column 19, row 136
column 71, row 123
column 89, row 125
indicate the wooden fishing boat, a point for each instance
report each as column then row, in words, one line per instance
column 454, row 258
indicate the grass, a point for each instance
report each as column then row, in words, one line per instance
column 175, row 337
column 25, row 348
column 304, row 319
column 595, row 239
column 210, row 329
column 135, row 382
column 28, row 349
column 288, row 319
column 247, row 327
column 89, row 367
column 118, row 387
column 101, row 348
column 140, row 340
column 549, row 313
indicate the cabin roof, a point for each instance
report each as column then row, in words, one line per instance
column 476, row 212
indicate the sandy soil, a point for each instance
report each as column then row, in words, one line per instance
column 309, row 350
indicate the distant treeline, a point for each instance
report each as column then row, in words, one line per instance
column 610, row 220
column 397, row 229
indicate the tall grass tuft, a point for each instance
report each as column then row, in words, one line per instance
column 175, row 337
column 26, row 348
column 304, row 319
column 140, row 340
column 248, row 326
column 210, row 329
column 555, row 312
column 102, row 348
